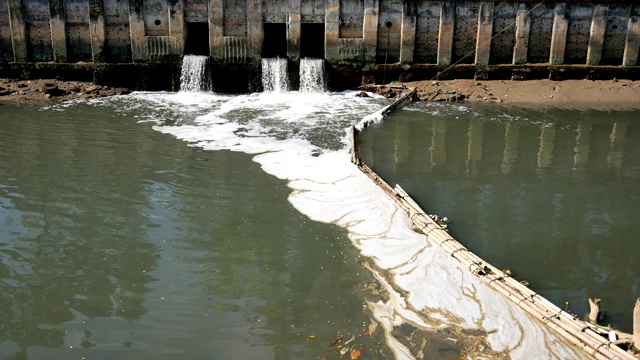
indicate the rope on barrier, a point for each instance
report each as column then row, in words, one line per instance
column 557, row 316
column 530, row 297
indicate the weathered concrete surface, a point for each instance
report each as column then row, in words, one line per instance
column 485, row 30
column 136, row 26
column 596, row 35
column 559, row 35
column 445, row 39
column 58, row 32
column 632, row 45
column 96, row 30
column 18, row 31
column 363, row 37
column 523, row 27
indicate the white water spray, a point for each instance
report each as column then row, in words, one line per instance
column 312, row 76
column 275, row 77
column 196, row 74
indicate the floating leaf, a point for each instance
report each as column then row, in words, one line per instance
column 355, row 354
column 366, row 333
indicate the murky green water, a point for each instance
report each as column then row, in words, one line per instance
column 117, row 241
column 551, row 194
column 129, row 230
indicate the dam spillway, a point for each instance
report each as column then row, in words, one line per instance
column 360, row 40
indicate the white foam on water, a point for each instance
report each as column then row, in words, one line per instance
column 425, row 287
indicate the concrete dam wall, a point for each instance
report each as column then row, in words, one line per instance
column 122, row 40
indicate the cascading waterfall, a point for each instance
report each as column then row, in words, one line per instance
column 274, row 75
column 196, row 74
column 312, row 76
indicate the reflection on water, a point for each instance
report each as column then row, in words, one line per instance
column 550, row 193
column 117, row 241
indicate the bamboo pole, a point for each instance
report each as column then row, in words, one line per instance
column 514, row 290
column 565, row 324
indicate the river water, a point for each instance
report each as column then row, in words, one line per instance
column 199, row 225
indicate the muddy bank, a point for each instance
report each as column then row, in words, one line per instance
column 586, row 92
column 625, row 93
column 29, row 91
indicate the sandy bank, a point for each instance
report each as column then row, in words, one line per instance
column 598, row 92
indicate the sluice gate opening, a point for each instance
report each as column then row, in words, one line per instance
column 275, row 40
column 197, row 39
column 385, row 39
column 312, row 40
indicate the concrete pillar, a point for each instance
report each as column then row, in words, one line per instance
column 293, row 30
column 523, row 27
column 632, row 44
column 559, row 35
column 596, row 34
column 485, row 30
column 370, row 30
column 255, row 34
column 136, row 31
column 408, row 31
column 445, row 34
column 58, row 31
column 216, row 28
column 96, row 30
column 176, row 24
column 332, row 29
column 18, row 31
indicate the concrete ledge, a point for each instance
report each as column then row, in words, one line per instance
column 243, row 78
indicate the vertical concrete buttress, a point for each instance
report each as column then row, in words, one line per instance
column 216, row 37
column 559, row 35
column 485, row 31
column 58, row 31
column 332, row 29
column 370, row 30
column 408, row 31
column 96, row 30
column 255, row 34
column 523, row 27
column 632, row 43
column 136, row 31
column 18, row 31
column 294, row 21
column 445, row 35
column 596, row 34
column 176, row 24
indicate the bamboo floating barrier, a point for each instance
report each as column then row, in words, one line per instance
column 586, row 336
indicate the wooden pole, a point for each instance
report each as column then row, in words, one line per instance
column 636, row 324
column 594, row 313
